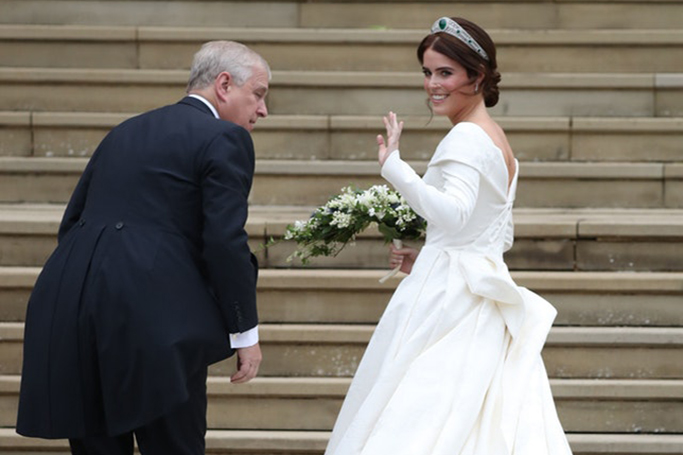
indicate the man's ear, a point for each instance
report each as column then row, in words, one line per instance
column 222, row 85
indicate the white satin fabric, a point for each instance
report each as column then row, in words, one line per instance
column 454, row 366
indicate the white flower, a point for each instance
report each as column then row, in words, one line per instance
column 365, row 199
column 333, row 204
column 341, row 220
column 347, row 200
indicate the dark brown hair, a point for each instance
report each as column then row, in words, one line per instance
column 475, row 64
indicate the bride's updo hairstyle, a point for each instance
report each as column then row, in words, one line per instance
column 482, row 61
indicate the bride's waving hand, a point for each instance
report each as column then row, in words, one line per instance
column 394, row 129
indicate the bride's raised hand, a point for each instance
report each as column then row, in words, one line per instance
column 394, row 129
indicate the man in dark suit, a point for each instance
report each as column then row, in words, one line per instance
column 152, row 279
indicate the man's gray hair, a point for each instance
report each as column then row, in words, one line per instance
column 216, row 57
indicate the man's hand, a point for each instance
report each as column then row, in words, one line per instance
column 248, row 361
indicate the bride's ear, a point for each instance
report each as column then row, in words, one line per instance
column 479, row 78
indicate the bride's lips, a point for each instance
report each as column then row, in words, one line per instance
column 436, row 99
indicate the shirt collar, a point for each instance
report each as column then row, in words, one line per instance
column 205, row 101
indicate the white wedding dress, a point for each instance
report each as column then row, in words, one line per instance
column 454, row 366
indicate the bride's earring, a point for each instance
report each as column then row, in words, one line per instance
column 476, row 88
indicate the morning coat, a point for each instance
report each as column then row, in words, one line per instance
column 151, row 273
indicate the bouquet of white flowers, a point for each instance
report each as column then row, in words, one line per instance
column 332, row 226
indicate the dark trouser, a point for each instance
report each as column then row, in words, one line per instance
column 180, row 432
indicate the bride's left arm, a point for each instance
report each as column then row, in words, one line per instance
column 449, row 207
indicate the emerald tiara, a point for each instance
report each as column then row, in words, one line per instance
column 448, row 25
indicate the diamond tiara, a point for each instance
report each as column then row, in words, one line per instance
column 448, row 25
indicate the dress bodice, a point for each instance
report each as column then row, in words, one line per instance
column 464, row 193
column 465, row 199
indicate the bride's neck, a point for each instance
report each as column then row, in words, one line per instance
column 471, row 113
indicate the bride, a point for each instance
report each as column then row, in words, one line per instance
column 454, row 366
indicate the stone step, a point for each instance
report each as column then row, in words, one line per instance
column 339, row 137
column 315, row 350
column 541, row 184
column 334, row 49
column 296, row 404
column 356, row 296
column 501, row 13
column 545, row 239
column 264, row 442
column 524, row 14
column 324, row 296
column 347, row 92
column 571, row 352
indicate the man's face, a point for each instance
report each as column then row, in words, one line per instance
column 245, row 104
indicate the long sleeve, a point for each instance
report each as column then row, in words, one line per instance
column 227, row 178
column 451, row 207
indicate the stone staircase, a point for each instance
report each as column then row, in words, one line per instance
column 592, row 100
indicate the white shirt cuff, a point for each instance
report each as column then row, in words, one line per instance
column 244, row 339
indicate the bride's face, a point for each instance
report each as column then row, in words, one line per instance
column 446, row 83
